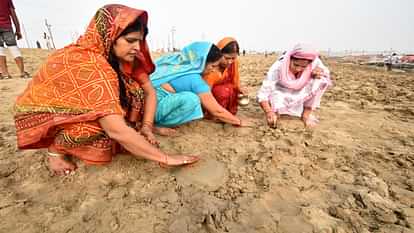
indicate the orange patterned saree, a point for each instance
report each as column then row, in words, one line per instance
column 76, row 86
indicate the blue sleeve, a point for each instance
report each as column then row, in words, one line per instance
column 198, row 85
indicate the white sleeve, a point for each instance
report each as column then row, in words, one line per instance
column 269, row 83
column 318, row 63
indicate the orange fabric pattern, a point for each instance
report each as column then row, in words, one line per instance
column 233, row 71
column 225, row 86
column 76, row 86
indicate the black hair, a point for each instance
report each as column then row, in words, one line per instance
column 297, row 59
column 232, row 47
column 214, row 54
column 136, row 26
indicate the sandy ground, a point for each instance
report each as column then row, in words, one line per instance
column 353, row 173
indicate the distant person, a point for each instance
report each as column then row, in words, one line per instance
column 8, row 38
column 94, row 96
column 38, row 45
column 294, row 86
column 225, row 81
column 181, row 91
column 244, row 52
column 46, row 38
column 391, row 61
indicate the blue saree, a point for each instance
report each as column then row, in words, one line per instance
column 186, row 66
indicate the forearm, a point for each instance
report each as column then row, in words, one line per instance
column 210, row 104
column 150, row 103
column 15, row 20
column 138, row 145
column 149, row 109
column 265, row 105
column 225, row 116
column 117, row 129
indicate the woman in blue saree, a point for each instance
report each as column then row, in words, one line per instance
column 181, row 90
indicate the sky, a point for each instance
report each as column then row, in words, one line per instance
column 259, row 25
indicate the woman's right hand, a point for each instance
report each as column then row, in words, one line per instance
column 179, row 160
column 271, row 118
column 246, row 122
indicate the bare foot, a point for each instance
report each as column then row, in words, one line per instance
column 60, row 166
column 164, row 131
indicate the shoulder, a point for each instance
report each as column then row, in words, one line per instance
column 276, row 65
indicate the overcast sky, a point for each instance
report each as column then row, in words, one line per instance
column 370, row 25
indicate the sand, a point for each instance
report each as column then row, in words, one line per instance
column 352, row 173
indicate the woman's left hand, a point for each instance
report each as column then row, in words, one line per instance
column 146, row 131
column 317, row 73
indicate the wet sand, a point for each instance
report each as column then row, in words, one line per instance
column 352, row 173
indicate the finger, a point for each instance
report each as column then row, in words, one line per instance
column 191, row 159
column 152, row 141
column 59, row 173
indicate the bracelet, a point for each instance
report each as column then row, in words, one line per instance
column 51, row 154
column 148, row 124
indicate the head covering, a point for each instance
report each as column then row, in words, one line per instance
column 79, row 75
column 231, row 72
column 77, row 84
column 190, row 60
column 107, row 25
column 286, row 78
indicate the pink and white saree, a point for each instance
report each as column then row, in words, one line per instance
column 288, row 94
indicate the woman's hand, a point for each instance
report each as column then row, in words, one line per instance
column 179, row 160
column 271, row 119
column 146, row 131
column 246, row 122
column 317, row 73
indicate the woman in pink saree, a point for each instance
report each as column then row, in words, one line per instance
column 294, row 86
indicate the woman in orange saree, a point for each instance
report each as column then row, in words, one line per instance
column 90, row 98
column 225, row 83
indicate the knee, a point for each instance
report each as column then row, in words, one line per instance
column 223, row 92
column 191, row 99
column 15, row 52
